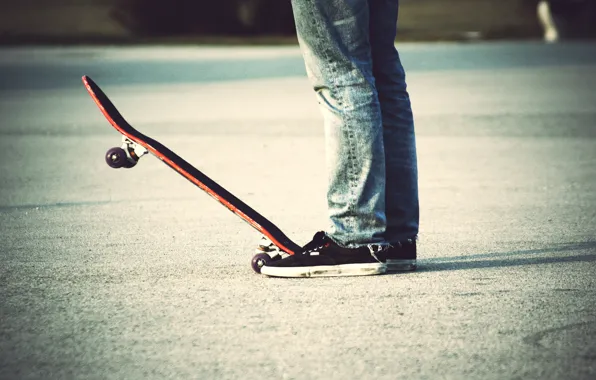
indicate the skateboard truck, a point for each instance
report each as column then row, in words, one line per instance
column 126, row 156
column 266, row 252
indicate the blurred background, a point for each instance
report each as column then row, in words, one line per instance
column 270, row 21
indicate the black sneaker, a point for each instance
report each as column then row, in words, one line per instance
column 322, row 257
column 401, row 257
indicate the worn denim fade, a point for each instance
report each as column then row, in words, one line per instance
column 351, row 60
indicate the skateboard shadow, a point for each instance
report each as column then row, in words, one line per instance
column 512, row 259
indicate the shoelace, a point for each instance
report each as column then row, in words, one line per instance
column 319, row 241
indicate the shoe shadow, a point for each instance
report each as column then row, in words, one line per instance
column 511, row 259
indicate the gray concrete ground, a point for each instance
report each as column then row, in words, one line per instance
column 135, row 274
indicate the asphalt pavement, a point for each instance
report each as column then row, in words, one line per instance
column 137, row 274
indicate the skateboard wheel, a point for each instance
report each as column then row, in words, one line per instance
column 259, row 260
column 116, row 158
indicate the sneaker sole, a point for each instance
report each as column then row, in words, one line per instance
column 325, row 271
column 401, row 265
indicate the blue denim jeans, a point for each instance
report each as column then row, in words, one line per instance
column 350, row 56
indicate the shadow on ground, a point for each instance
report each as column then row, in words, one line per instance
column 510, row 259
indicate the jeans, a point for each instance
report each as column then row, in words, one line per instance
column 349, row 52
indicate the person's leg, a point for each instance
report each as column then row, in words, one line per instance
column 551, row 34
column 334, row 38
column 401, row 194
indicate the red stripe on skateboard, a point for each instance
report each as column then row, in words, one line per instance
column 184, row 173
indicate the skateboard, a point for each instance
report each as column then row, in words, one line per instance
column 136, row 145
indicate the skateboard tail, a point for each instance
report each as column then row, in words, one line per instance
column 110, row 114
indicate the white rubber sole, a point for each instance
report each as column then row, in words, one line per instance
column 326, row 270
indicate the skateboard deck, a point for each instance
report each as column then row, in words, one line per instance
column 137, row 144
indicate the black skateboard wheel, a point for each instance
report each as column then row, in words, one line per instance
column 259, row 260
column 116, row 158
